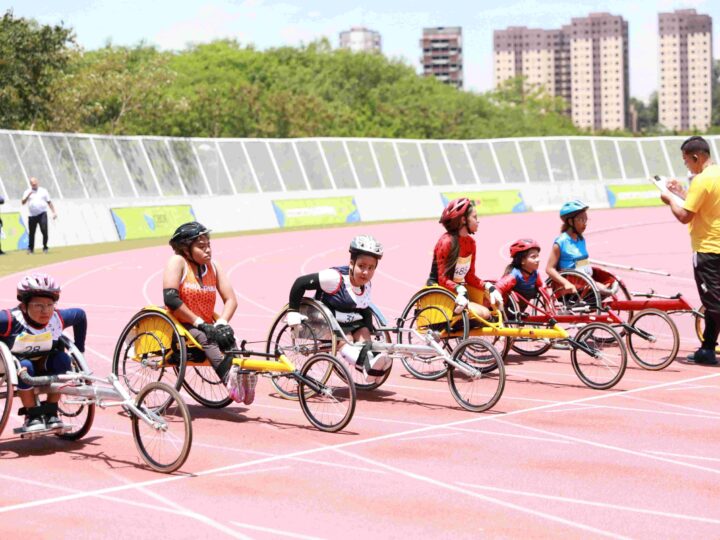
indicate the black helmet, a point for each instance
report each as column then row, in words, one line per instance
column 186, row 234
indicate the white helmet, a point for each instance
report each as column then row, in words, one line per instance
column 366, row 245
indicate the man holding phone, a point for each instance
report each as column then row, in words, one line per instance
column 701, row 211
column 38, row 200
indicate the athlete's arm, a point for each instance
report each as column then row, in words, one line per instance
column 171, row 281
column 77, row 319
column 227, row 293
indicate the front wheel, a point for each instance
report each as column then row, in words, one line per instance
column 75, row 412
column 602, row 360
column 326, row 392
column 479, row 379
column 656, row 343
column 6, row 391
column 164, row 443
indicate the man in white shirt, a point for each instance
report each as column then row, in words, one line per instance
column 38, row 200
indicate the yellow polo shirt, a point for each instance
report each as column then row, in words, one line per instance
column 703, row 198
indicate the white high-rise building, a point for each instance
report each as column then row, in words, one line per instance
column 360, row 39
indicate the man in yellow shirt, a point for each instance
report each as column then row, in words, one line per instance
column 701, row 211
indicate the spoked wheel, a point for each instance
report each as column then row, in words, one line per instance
column 624, row 294
column 164, row 443
column 361, row 383
column 431, row 310
column 659, row 342
column 605, row 365
column 314, row 336
column 75, row 412
column 587, row 294
column 523, row 345
column 326, row 392
column 479, row 381
column 204, row 385
column 700, row 326
column 6, row 391
column 150, row 349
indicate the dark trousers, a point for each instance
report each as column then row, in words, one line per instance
column 33, row 222
column 707, row 279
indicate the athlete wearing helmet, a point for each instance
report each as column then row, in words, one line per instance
column 191, row 283
column 32, row 331
column 569, row 251
column 346, row 290
column 522, row 275
column 453, row 265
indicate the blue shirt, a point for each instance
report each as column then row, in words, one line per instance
column 573, row 254
column 13, row 324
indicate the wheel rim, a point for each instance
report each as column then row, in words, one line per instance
column 332, row 407
column 605, row 370
column 659, row 351
column 481, row 390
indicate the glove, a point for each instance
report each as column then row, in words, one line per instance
column 224, row 337
column 209, row 330
column 294, row 320
column 461, row 300
column 496, row 298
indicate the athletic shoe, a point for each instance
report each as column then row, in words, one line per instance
column 235, row 390
column 705, row 357
column 33, row 424
column 249, row 381
column 53, row 422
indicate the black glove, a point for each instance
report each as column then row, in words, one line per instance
column 210, row 332
column 225, row 337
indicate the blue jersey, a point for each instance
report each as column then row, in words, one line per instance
column 341, row 296
column 573, row 254
column 14, row 324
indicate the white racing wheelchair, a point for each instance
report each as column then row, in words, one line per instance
column 475, row 370
column 160, row 420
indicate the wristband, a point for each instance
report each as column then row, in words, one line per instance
column 198, row 322
column 220, row 322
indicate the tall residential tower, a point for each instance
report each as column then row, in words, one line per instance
column 443, row 55
column 360, row 39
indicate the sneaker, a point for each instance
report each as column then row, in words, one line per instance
column 30, row 252
column 235, row 389
column 705, row 357
column 45, row 250
column 53, row 422
column 33, row 424
column 249, row 381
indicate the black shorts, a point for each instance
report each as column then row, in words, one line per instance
column 706, row 268
column 352, row 327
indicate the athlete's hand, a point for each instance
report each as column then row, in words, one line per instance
column 569, row 288
column 494, row 295
column 225, row 337
column 461, row 300
column 209, row 330
column 294, row 320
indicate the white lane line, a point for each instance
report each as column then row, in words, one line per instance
column 255, row 471
column 585, row 502
column 688, row 456
column 675, row 406
column 349, row 444
column 610, row 447
column 277, row 532
column 707, row 415
column 431, row 436
column 98, row 354
column 476, row 495
column 146, row 295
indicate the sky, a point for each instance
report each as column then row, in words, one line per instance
column 173, row 24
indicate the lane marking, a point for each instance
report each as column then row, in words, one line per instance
column 274, row 531
column 688, row 456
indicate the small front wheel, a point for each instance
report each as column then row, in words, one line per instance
column 164, row 435
column 598, row 356
column 655, row 342
column 75, row 412
column 478, row 381
column 326, row 392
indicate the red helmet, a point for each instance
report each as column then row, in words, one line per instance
column 454, row 211
column 522, row 245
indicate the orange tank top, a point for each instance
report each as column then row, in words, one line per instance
column 199, row 297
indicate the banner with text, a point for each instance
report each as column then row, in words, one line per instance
column 629, row 195
column 308, row 212
column 150, row 221
column 490, row 202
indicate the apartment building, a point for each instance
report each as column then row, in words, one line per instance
column 442, row 54
column 585, row 62
column 685, row 94
column 361, row 39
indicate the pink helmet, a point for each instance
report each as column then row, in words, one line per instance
column 38, row 285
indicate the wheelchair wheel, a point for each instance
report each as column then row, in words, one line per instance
column 661, row 348
column 205, row 387
column 523, row 345
column 479, row 381
column 606, row 365
column 587, row 294
column 624, row 294
column 74, row 412
column 6, row 391
column 326, row 392
column 431, row 310
column 358, row 376
column 165, row 442
column 150, row 349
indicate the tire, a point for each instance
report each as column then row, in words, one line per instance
column 163, row 403
column 6, row 391
column 358, row 376
column 660, row 353
column 315, row 336
column 431, row 310
column 479, row 391
column 78, row 416
column 150, row 349
column 205, row 387
column 526, row 346
column 606, row 370
column 587, row 293
column 328, row 402
column 624, row 294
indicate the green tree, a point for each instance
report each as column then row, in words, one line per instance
column 647, row 114
column 31, row 58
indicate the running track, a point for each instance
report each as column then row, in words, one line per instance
column 553, row 458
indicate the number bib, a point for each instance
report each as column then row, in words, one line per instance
column 28, row 344
column 462, row 267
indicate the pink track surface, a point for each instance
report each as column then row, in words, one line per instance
column 553, row 458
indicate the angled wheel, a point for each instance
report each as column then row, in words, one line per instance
column 205, row 387
column 587, row 295
column 75, row 412
column 164, row 436
column 150, row 349
column 478, row 381
column 431, row 310
column 359, row 377
column 657, row 341
column 6, row 391
column 603, row 363
column 326, row 392
column 523, row 345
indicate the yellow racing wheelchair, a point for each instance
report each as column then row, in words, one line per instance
column 155, row 346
